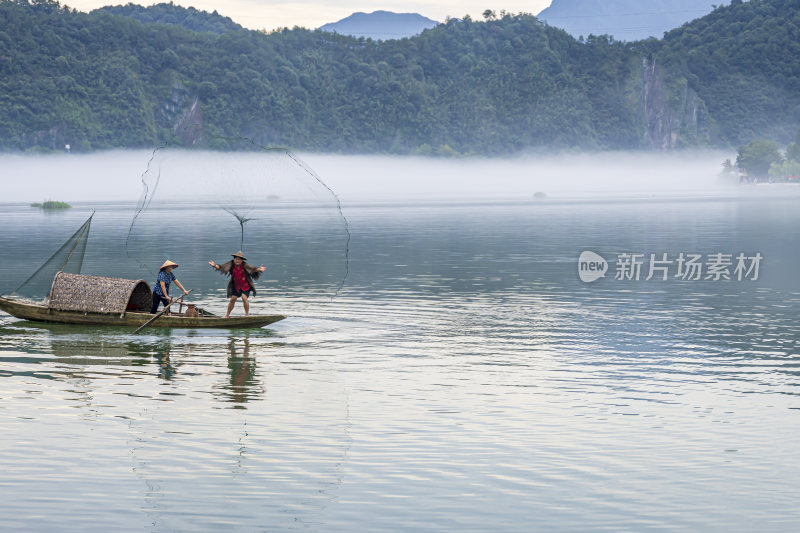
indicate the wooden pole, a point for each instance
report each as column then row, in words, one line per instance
column 166, row 307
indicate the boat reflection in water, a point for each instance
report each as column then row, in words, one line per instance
column 181, row 416
column 85, row 352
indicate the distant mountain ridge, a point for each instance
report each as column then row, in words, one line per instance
column 625, row 20
column 185, row 17
column 381, row 25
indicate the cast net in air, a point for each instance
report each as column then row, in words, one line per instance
column 199, row 206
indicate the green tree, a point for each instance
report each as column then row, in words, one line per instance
column 793, row 150
column 756, row 158
column 786, row 170
column 728, row 170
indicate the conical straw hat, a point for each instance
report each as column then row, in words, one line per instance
column 239, row 254
column 168, row 263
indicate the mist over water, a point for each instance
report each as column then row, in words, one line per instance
column 365, row 178
column 108, row 176
column 116, row 176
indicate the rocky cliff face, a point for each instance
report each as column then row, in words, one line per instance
column 181, row 111
column 189, row 129
column 673, row 113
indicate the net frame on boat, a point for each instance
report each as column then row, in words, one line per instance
column 68, row 258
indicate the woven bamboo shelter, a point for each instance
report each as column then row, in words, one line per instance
column 98, row 294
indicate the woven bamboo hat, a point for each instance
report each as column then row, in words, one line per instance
column 168, row 263
column 239, row 254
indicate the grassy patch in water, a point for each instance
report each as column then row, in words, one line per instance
column 50, row 204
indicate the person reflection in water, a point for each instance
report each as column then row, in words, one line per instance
column 166, row 370
column 243, row 371
column 241, row 276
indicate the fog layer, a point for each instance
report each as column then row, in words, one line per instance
column 117, row 176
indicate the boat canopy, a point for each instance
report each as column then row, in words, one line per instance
column 98, row 294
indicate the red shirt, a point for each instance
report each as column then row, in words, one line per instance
column 239, row 281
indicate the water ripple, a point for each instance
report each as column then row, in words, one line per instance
column 464, row 379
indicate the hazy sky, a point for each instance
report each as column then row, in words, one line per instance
column 271, row 14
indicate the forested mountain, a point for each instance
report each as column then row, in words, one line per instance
column 381, row 25
column 168, row 13
column 626, row 20
column 101, row 80
column 743, row 62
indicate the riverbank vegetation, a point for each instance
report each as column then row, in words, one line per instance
column 763, row 160
column 141, row 77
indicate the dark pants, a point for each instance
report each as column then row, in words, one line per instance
column 237, row 292
column 158, row 300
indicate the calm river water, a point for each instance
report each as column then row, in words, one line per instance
column 463, row 378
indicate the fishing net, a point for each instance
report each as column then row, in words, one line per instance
column 68, row 258
column 199, row 206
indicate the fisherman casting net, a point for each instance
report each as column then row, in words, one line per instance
column 198, row 206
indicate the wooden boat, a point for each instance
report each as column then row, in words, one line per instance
column 104, row 301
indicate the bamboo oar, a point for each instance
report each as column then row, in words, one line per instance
column 166, row 307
